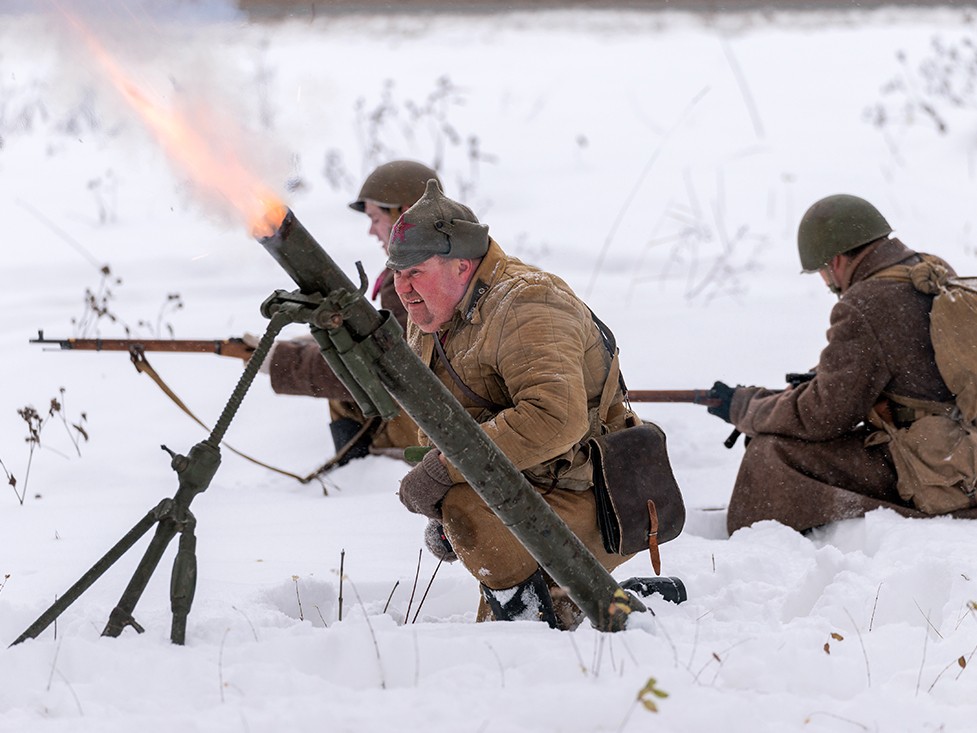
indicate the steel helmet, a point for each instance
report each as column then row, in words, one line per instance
column 394, row 185
column 835, row 225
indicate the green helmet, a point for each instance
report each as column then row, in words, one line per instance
column 394, row 185
column 835, row 225
column 436, row 225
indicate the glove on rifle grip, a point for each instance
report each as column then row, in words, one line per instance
column 724, row 393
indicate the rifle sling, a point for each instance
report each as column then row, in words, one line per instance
column 138, row 358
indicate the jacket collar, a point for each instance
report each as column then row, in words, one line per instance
column 885, row 253
column 486, row 275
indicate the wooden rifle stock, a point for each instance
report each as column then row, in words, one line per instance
column 694, row 396
column 235, row 347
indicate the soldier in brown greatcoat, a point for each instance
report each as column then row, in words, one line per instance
column 296, row 367
column 524, row 357
column 807, row 462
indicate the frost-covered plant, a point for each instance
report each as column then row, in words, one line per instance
column 395, row 126
column 98, row 310
column 713, row 258
column 924, row 92
column 36, row 422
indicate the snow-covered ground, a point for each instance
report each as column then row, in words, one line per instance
column 658, row 162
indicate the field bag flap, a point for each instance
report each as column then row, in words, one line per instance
column 636, row 489
column 936, row 462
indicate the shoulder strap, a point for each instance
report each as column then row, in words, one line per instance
column 894, row 272
column 923, row 407
column 610, row 343
column 928, row 276
column 614, row 376
column 468, row 391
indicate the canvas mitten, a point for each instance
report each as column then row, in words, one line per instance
column 425, row 485
column 437, row 542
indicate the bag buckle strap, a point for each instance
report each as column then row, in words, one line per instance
column 656, row 558
column 970, row 491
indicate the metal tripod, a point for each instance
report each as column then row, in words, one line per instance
column 172, row 516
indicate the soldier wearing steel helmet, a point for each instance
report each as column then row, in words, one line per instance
column 296, row 367
column 807, row 462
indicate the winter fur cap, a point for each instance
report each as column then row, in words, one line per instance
column 436, row 225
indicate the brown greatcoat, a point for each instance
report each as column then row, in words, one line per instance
column 806, row 464
column 522, row 340
column 297, row 368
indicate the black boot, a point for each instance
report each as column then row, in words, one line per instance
column 528, row 601
column 343, row 431
column 671, row 588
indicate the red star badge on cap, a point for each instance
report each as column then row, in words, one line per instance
column 400, row 231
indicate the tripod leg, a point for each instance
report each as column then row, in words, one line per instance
column 183, row 583
column 121, row 615
column 89, row 578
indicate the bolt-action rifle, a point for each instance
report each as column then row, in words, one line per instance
column 701, row 396
column 236, row 347
column 693, row 396
column 704, row 397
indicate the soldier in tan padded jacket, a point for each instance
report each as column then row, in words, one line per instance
column 524, row 357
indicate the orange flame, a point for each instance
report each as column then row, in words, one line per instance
column 261, row 208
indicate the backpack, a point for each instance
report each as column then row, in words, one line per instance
column 936, row 455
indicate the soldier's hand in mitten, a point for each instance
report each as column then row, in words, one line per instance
column 724, row 393
column 437, row 542
column 425, row 485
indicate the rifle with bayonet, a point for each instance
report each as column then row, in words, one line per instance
column 235, row 347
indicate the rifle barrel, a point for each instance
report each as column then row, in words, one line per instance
column 694, row 396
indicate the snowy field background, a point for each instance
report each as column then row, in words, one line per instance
column 659, row 162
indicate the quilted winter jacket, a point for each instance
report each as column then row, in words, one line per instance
column 522, row 340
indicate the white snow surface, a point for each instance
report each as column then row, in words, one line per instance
column 659, row 163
